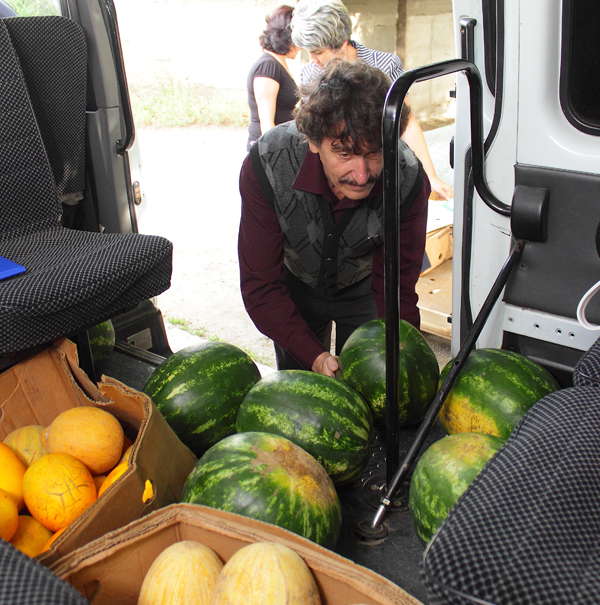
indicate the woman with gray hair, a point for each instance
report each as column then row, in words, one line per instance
column 324, row 29
column 318, row 25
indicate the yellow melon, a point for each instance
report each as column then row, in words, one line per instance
column 9, row 516
column 26, row 443
column 53, row 538
column 11, row 474
column 126, row 455
column 265, row 573
column 98, row 481
column 149, row 492
column 127, row 443
column 90, row 434
column 57, row 488
column 117, row 472
column 31, row 536
column 185, row 573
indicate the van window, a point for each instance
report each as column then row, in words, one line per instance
column 32, row 8
column 580, row 64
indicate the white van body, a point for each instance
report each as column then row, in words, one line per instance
column 532, row 139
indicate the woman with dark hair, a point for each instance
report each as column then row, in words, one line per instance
column 272, row 92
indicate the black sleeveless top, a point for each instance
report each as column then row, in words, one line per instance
column 268, row 67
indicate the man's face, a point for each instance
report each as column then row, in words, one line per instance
column 348, row 174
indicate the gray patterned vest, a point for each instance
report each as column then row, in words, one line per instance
column 326, row 255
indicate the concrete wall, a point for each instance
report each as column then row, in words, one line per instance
column 429, row 39
column 214, row 42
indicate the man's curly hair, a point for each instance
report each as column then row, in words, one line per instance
column 346, row 103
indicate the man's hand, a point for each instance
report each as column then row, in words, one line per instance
column 326, row 364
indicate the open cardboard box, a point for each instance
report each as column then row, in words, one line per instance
column 110, row 570
column 438, row 248
column 36, row 390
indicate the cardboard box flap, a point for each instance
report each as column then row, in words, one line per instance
column 130, row 406
column 69, row 349
column 35, row 391
column 111, row 569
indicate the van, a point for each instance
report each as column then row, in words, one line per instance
column 538, row 121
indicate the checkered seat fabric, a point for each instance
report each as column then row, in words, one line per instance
column 73, row 279
column 527, row 530
column 56, row 83
column 24, row 581
column 587, row 370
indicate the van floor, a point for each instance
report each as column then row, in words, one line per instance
column 393, row 549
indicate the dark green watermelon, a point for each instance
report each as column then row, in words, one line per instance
column 322, row 415
column 493, row 391
column 102, row 340
column 269, row 478
column 443, row 473
column 362, row 364
column 199, row 391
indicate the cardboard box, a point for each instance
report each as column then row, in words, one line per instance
column 110, row 571
column 35, row 391
column 438, row 248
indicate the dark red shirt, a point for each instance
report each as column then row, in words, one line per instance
column 261, row 256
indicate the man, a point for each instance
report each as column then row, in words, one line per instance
column 324, row 29
column 311, row 231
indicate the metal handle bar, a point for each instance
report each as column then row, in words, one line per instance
column 391, row 121
column 391, row 132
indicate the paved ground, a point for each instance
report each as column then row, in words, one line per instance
column 191, row 184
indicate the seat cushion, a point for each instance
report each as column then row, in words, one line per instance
column 75, row 278
column 24, row 581
column 587, row 370
column 527, row 530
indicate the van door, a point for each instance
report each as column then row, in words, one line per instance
column 539, row 63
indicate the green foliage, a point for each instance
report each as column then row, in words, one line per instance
column 31, row 8
column 173, row 103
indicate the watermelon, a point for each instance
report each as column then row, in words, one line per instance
column 362, row 365
column 493, row 391
column 443, row 473
column 269, row 478
column 199, row 391
column 102, row 340
column 322, row 415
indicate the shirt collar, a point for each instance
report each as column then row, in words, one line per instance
column 312, row 179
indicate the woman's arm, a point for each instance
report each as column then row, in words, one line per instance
column 414, row 138
column 265, row 93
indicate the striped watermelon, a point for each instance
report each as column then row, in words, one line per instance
column 322, row 415
column 443, row 473
column 199, row 390
column 493, row 391
column 102, row 340
column 362, row 365
column 269, row 478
